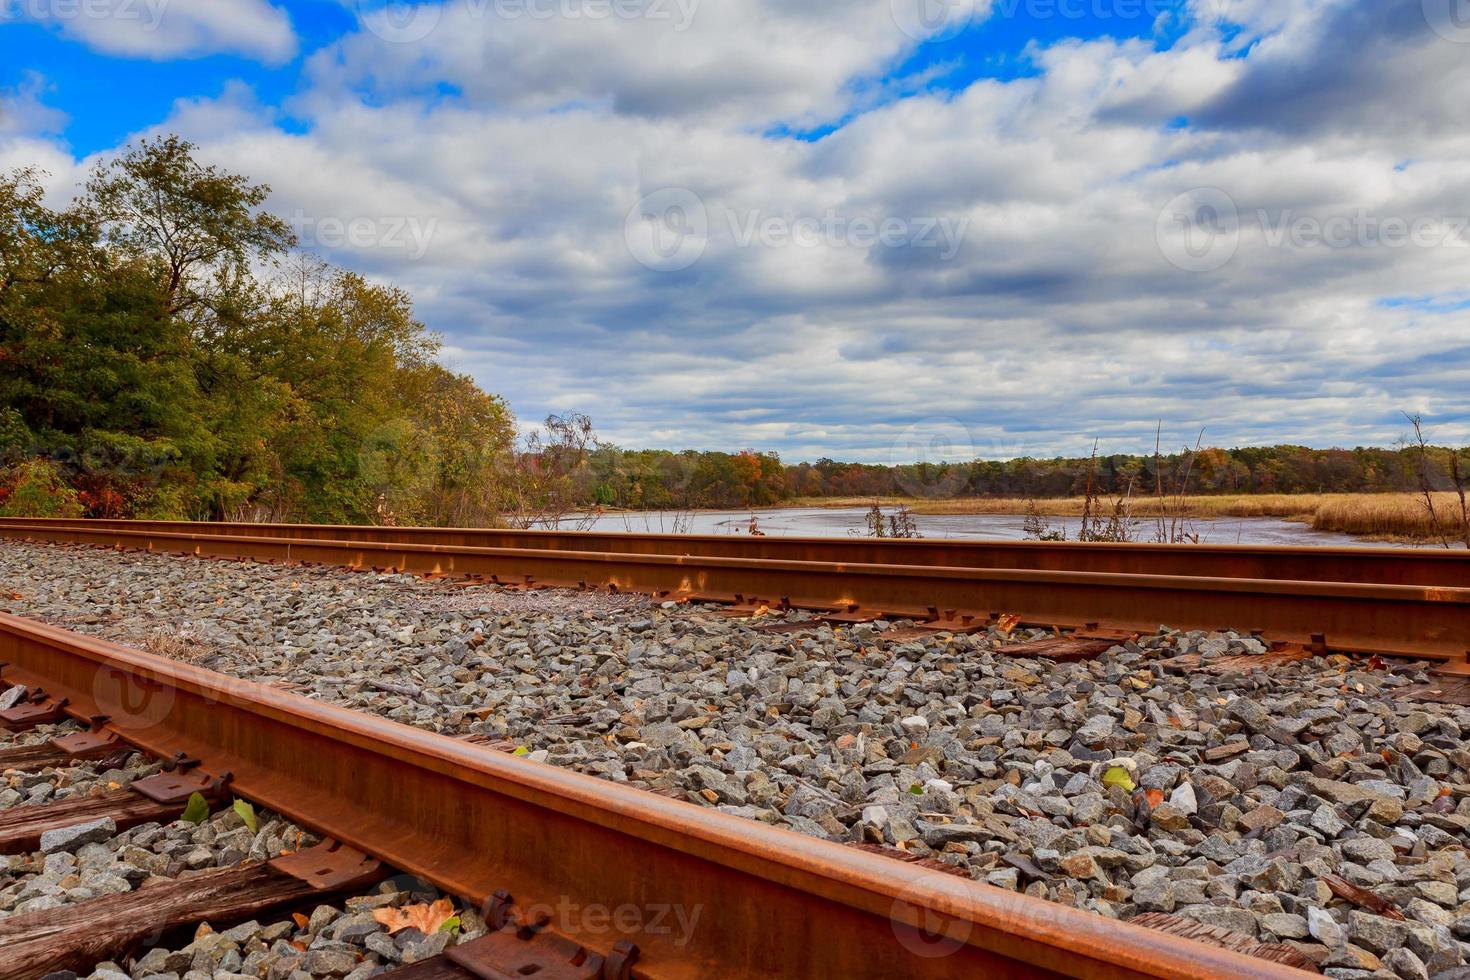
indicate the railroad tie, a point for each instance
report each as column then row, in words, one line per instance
column 79, row 936
column 29, row 758
column 21, row 827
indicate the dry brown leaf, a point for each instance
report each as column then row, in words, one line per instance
column 1362, row 897
column 1154, row 796
column 427, row 919
column 301, row 921
column 1007, row 623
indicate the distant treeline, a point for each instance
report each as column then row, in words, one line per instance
column 663, row 480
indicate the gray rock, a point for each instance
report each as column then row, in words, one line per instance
column 1285, row 925
column 72, row 838
column 1376, row 933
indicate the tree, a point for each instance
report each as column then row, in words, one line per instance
column 158, row 203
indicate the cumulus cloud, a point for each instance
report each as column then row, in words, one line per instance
column 24, row 113
column 166, row 29
column 751, row 62
column 598, row 217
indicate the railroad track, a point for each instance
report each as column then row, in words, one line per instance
column 510, row 836
column 1372, row 566
column 1381, row 601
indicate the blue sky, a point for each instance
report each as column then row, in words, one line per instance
column 869, row 229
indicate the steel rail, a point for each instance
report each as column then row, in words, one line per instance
column 1380, row 566
column 1397, row 620
column 474, row 821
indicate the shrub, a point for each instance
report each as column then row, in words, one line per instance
column 36, row 488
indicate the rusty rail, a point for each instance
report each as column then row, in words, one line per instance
column 768, row 902
column 1397, row 620
column 1374, row 566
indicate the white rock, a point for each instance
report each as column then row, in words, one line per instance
column 915, row 724
column 1183, row 799
column 1324, row 928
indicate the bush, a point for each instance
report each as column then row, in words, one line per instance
column 15, row 438
column 36, row 488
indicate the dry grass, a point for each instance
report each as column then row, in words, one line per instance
column 1379, row 516
column 179, row 643
column 1391, row 516
column 1295, row 506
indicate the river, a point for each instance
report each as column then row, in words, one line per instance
column 851, row 521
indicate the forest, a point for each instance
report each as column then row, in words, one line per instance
column 166, row 351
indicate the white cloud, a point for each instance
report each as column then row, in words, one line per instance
column 166, row 29
column 22, row 111
column 749, row 62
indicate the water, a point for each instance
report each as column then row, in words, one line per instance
column 841, row 522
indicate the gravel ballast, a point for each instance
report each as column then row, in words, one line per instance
column 1122, row 785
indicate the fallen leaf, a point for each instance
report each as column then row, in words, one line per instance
column 431, row 918
column 1118, row 776
column 301, row 921
column 1362, row 897
column 197, row 810
column 1007, row 623
column 1154, row 796
column 246, row 813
